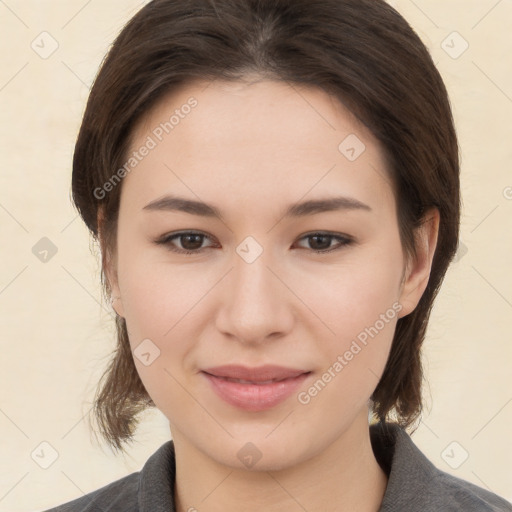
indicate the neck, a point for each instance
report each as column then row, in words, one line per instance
column 344, row 476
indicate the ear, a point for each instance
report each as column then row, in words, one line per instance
column 108, row 264
column 417, row 271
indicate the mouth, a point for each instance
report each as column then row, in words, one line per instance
column 258, row 375
column 257, row 383
column 254, row 389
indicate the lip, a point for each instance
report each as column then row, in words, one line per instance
column 256, row 374
column 257, row 394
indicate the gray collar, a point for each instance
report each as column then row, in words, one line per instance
column 414, row 483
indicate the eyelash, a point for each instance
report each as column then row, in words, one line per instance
column 167, row 241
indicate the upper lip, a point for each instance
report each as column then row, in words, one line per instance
column 256, row 374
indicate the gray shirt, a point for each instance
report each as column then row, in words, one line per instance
column 414, row 483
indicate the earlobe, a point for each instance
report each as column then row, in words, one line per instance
column 115, row 293
column 117, row 305
column 108, row 267
column 417, row 271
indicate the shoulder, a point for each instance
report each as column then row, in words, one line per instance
column 461, row 495
column 150, row 489
column 118, row 496
column 415, row 484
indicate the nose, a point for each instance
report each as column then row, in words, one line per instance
column 255, row 303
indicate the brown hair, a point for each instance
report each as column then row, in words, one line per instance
column 363, row 53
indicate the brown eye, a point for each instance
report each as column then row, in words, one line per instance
column 190, row 241
column 321, row 242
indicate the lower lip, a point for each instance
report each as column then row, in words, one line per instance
column 255, row 397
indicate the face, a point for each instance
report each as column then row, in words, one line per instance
column 315, row 289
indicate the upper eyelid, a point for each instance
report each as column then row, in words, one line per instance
column 203, row 233
column 176, row 235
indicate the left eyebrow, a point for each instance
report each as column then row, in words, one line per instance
column 175, row 203
column 325, row 205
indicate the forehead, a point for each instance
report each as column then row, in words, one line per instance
column 274, row 110
column 256, row 139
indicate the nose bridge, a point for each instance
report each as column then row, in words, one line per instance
column 255, row 304
column 251, row 275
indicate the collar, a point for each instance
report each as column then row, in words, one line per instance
column 414, row 483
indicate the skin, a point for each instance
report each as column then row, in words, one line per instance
column 252, row 150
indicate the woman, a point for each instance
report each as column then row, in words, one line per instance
column 275, row 188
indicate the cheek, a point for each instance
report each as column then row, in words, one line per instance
column 359, row 304
column 361, row 312
column 163, row 309
column 347, row 295
column 156, row 295
column 160, row 314
column 351, row 296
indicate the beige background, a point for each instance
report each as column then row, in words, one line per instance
column 56, row 333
